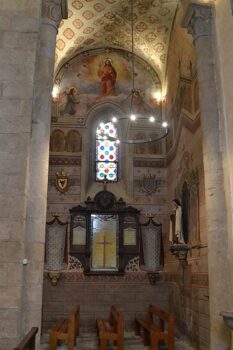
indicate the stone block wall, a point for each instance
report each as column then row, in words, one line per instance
column 188, row 283
column 189, row 300
column 19, row 32
column 131, row 294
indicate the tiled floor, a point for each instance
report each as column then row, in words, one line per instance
column 88, row 341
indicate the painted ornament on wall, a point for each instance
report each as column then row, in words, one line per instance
column 62, row 181
column 149, row 184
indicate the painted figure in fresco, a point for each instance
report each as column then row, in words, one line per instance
column 138, row 104
column 57, row 141
column 176, row 230
column 73, row 141
column 108, row 75
column 71, row 102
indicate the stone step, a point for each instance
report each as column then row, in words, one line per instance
column 88, row 341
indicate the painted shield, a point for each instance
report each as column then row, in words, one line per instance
column 149, row 184
column 62, row 182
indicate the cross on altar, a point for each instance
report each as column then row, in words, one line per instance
column 104, row 243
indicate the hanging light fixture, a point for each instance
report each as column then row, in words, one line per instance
column 136, row 119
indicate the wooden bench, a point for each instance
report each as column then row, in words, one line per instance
column 111, row 329
column 65, row 329
column 29, row 341
column 154, row 328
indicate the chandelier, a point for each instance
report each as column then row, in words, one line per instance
column 135, row 120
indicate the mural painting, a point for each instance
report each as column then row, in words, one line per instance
column 149, row 148
column 105, row 76
column 63, row 141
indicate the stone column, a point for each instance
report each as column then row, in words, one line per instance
column 199, row 22
column 52, row 12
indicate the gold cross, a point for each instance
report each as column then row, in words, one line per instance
column 104, row 243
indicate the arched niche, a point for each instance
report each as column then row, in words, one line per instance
column 188, row 193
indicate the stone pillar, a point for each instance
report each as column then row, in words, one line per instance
column 52, row 12
column 19, row 34
column 199, row 22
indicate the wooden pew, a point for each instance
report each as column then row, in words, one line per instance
column 28, row 342
column 111, row 329
column 65, row 329
column 156, row 332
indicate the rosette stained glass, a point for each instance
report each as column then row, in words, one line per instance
column 106, row 152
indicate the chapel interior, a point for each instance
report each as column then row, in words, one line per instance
column 116, row 167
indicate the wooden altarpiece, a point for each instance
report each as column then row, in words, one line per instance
column 104, row 234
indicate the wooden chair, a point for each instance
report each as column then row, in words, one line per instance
column 155, row 332
column 111, row 329
column 65, row 329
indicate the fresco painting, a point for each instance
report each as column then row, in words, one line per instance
column 100, row 77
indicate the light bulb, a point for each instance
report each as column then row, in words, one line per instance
column 118, row 141
column 152, row 119
column 164, row 124
column 133, row 117
column 114, row 119
column 55, row 91
column 158, row 95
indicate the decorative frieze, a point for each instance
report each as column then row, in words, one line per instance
column 129, row 277
column 64, row 160
column 161, row 163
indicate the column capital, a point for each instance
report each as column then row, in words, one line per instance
column 198, row 20
column 53, row 11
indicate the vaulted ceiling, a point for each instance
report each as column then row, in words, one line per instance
column 107, row 23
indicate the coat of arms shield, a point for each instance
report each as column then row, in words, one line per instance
column 62, row 181
column 149, row 184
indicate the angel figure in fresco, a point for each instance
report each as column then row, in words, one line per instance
column 71, row 101
column 107, row 74
column 176, row 230
column 138, row 104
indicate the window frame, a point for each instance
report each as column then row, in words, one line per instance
column 102, row 161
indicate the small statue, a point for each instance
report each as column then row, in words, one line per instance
column 176, row 230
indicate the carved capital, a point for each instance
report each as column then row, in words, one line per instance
column 198, row 20
column 53, row 11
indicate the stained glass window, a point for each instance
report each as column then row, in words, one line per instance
column 107, row 150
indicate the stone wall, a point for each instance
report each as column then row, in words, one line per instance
column 131, row 293
column 19, row 32
column 189, row 295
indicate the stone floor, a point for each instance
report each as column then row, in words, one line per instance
column 88, row 341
